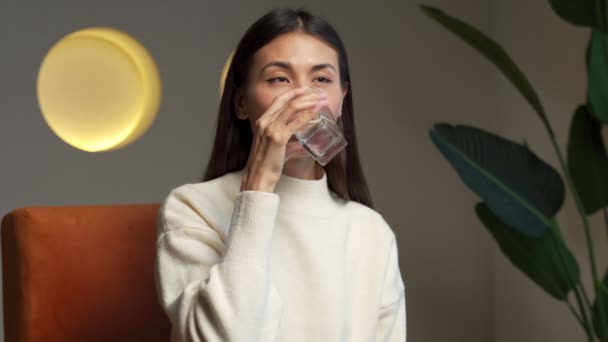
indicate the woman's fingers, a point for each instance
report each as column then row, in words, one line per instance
column 303, row 118
column 276, row 126
column 281, row 100
column 300, row 111
column 285, row 112
column 292, row 109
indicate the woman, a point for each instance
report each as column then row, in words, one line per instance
column 272, row 246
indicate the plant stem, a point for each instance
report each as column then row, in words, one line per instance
column 584, row 292
column 588, row 327
column 590, row 336
column 605, row 212
column 581, row 210
column 574, row 284
column 576, row 314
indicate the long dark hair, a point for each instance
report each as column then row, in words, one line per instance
column 233, row 137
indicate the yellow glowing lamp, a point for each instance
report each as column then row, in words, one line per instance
column 225, row 72
column 98, row 89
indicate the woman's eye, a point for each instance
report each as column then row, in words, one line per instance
column 323, row 79
column 278, row 79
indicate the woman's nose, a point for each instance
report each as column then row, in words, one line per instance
column 303, row 81
column 302, row 84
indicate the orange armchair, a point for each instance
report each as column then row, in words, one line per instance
column 81, row 273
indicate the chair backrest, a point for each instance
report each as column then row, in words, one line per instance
column 81, row 273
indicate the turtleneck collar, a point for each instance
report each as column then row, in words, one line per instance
column 288, row 185
column 303, row 195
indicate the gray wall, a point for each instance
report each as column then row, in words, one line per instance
column 407, row 74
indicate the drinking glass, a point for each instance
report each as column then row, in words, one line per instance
column 321, row 137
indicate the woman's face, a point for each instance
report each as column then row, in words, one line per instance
column 291, row 61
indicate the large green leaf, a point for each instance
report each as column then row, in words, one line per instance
column 494, row 53
column 598, row 76
column 546, row 259
column 524, row 191
column 587, row 160
column 580, row 12
column 601, row 330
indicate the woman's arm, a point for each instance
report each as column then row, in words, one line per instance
column 211, row 292
column 392, row 322
column 392, row 314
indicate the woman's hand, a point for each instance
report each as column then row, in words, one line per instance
column 287, row 113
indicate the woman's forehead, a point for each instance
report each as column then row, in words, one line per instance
column 298, row 49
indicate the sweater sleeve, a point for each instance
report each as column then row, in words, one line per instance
column 214, row 292
column 391, row 325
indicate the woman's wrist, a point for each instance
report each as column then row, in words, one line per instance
column 257, row 182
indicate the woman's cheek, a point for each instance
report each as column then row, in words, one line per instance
column 337, row 111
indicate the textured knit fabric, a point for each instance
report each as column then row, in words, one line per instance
column 297, row 264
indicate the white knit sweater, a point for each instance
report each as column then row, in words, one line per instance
column 299, row 264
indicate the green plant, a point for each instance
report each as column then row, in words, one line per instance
column 521, row 194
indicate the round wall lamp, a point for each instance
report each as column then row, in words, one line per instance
column 98, row 89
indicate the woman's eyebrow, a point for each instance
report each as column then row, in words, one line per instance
column 286, row 65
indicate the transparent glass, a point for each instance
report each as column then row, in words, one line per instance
column 321, row 137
